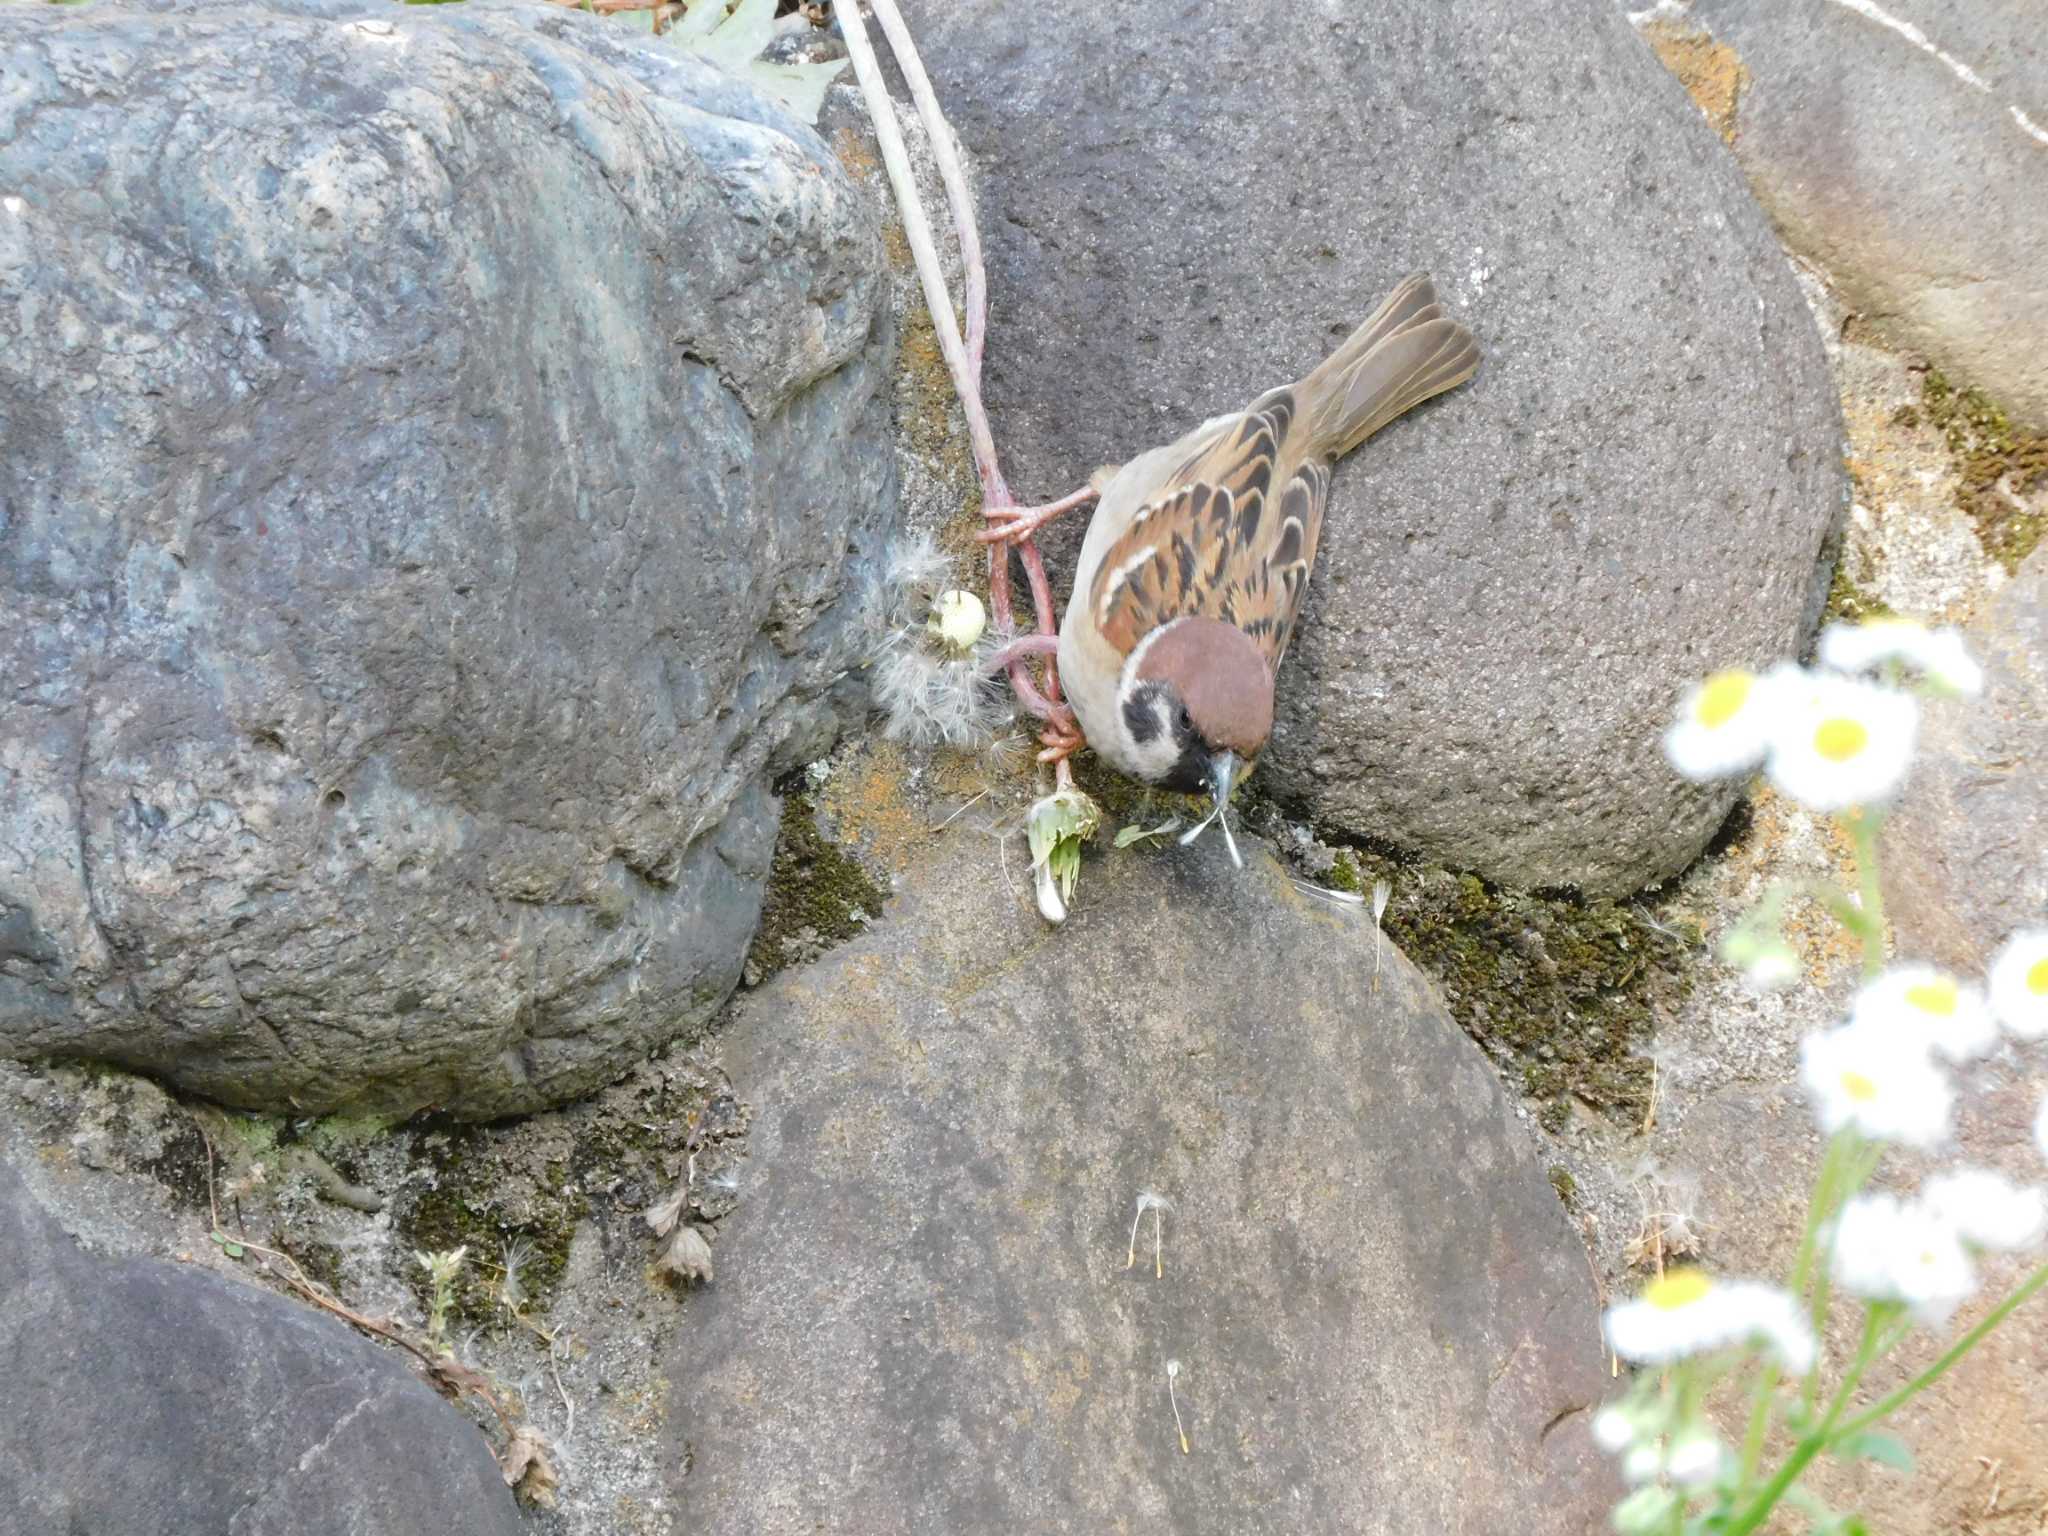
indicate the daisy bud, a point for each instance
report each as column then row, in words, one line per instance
column 1693, row 1459
column 1645, row 1511
column 1613, row 1430
column 957, row 620
column 1766, row 961
column 2019, row 984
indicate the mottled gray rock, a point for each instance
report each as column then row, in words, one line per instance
column 1905, row 149
column 1965, row 854
column 143, row 1396
column 1515, row 582
column 434, row 444
column 923, row 1320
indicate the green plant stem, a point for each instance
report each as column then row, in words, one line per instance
column 1862, row 1162
column 1817, row 1209
column 1955, row 1352
column 1863, row 834
column 1811, row 1444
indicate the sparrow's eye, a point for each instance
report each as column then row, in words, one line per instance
column 1181, row 717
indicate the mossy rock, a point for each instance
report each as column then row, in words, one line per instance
column 818, row 895
column 1563, row 994
column 1992, row 458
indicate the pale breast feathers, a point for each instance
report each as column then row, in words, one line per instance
column 1217, row 542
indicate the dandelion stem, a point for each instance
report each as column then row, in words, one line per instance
column 1956, row 1351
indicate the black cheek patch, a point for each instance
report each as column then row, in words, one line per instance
column 1140, row 719
column 1190, row 773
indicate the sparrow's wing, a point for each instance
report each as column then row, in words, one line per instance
column 1218, row 541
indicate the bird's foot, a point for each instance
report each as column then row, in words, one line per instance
column 1060, row 739
column 1013, row 525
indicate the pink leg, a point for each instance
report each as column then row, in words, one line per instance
column 1013, row 525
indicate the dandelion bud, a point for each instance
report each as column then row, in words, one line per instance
column 1056, row 828
column 957, row 620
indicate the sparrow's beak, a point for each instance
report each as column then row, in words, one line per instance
column 1223, row 770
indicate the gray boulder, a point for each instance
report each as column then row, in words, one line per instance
column 923, row 1320
column 143, row 1396
column 1903, row 148
column 1965, row 854
column 434, row 448
column 1516, row 581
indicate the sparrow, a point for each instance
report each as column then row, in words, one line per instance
column 1191, row 576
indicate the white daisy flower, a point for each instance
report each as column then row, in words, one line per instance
column 1839, row 742
column 2019, row 984
column 1987, row 1209
column 1886, row 1249
column 1921, row 1003
column 1686, row 1312
column 1882, row 1084
column 1723, row 725
column 1938, row 653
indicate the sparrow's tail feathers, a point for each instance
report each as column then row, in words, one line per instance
column 1408, row 351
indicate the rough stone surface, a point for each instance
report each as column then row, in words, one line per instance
column 1913, row 167
column 434, row 444
column 923, row 1319
column 1516, row 581
column 1966, row 851
column 143, row 1396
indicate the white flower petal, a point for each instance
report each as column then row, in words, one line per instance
column 1987, row 1209
column 1687, row 1312
column 1723, row 726
column 1886, row 1249
column 1940, row 654
column 1885, row 1086
column 1693, row 1459
column 1642, row 1463
column 1838, row 742
column 1931, row 1007
column 2019, row 984
column 1613, row 1431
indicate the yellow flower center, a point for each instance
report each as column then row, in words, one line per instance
column 1858, row 1087
column 2037, row 978
column 1677, row 1288
column 1936, row 997
column 1723, row 695
column 1839, row 740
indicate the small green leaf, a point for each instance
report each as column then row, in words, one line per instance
column 1875, row 1445
column 228, row 1245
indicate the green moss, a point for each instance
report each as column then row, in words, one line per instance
column 1562, row 1181
column 1562, row 993
column 1993, row 457
column 817, row 896
column 1850, row 603
column 463, row 1209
